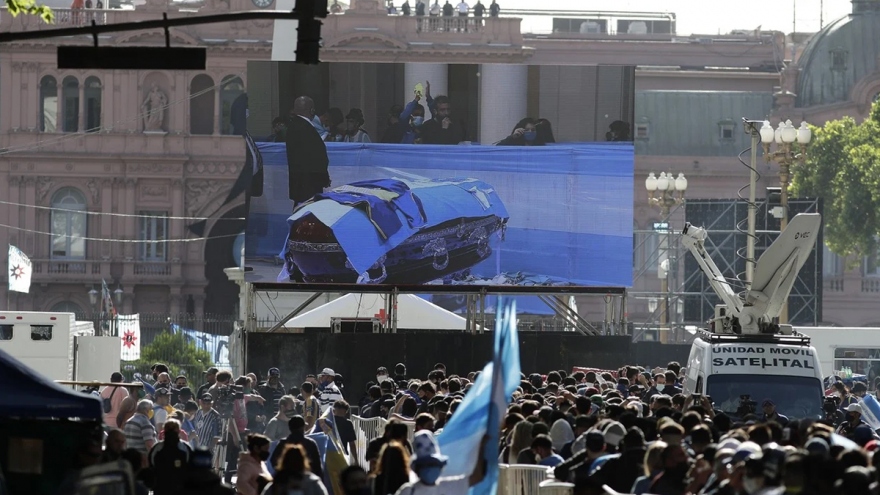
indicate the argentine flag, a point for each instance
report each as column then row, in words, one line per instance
column 326, row 435
column 481, row 412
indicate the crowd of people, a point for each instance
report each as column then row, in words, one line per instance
column 631, row 430
column 404, row 124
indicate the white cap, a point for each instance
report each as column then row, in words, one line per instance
column 328, row 372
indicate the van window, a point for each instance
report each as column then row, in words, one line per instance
column 795, row 396
column 5, row 332
column 41, row 332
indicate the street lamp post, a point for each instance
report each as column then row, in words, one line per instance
column 786, row 136
column 96, row 299
column 665, row 192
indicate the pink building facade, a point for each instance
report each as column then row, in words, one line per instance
column 77, row 141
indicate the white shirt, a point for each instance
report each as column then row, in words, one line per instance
column 435, row 9
column 463, row 8
column 457, row 485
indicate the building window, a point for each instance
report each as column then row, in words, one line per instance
column 41, row 332
column 92, row 96
column 839, row 59
column 832, row 263
column 726, row 129
column 69, row 307
column 643, row 130
column 201, row 105
column 230, row 89
column 68, row 224
column 154, row 227
column 70, row 104
column 637, row 254
column 48, row 104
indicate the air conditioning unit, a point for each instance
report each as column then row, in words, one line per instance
column 355, row 325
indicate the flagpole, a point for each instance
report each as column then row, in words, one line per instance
column 8, row 246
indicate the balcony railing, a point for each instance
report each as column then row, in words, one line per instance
column 834, row 283
column 871, row 284
column 152, row 268
column 65, row 268
column 450, row 24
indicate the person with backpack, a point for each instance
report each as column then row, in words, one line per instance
column 112, row 397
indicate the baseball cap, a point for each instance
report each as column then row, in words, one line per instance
column 854, row 408
column 207, row 397
column 767, row 402
column 160, row 392
column 185, row 391
column 274, row 372
column 818, row 446
column 212, row 371
column 328, row 372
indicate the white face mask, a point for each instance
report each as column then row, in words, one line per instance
column 660, row 387
column 751, row 485
column 381, row 378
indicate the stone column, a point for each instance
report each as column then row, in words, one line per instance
column 436, row 74
column 503, row 99
column 176, row 227
column 218, row 112
column 81, row 125
column 130, row 231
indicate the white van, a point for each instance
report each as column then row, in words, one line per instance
column 783, row 368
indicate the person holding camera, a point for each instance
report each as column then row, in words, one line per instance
column 831, row 408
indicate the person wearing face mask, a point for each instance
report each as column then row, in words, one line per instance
column 252, row 470
column 657, row 389
column 524, row 134
column 853, row 420
column 168, row 460
column 277, row 428
column 409, row 125
column 763, row 472
column 428, row 463
column 672, row 481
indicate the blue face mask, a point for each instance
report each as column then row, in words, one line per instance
column 530, row 135
column 418, row 121
column 430, row 474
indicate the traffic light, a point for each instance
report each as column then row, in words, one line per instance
column 308, row 35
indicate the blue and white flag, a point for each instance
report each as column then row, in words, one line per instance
column 216, row 345
column 481, row 412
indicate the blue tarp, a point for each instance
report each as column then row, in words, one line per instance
column 570, row 205
column 27, row 394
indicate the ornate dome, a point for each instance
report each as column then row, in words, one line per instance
column 840, row 56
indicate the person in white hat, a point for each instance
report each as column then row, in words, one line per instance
column 428, row 464
column 853, row 421
column 329, row 391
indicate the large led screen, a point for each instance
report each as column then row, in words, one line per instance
column 412, row 197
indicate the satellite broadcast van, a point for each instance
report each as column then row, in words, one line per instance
column 745, row 356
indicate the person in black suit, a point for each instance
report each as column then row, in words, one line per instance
column 307, row 160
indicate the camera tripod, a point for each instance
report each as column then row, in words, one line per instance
column 219, row 463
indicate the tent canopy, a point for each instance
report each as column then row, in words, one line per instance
column 38, row 397
column 413, row 313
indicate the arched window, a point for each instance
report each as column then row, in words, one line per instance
column 201, row 105
column 48, row 104
column 230, row 89
column 68, row 224
column 92, row 95
column 69, row 307
column 70, row 104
